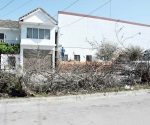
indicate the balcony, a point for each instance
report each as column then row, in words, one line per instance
column 10, row 47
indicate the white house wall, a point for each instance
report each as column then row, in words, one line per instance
column 29, row 41
column 38, row 17
column 74, row 37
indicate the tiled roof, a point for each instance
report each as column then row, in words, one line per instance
column 37, row 10
column 9, row 24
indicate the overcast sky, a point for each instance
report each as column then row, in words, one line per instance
column 128, row 10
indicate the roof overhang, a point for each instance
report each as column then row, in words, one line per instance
column 3, row 28
column 36, row 10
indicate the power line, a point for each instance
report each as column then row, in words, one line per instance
column 7, row 5
column 32, row 0
column 17, row 8
column 87, row 14
column 68, row 6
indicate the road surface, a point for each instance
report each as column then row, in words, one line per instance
column 126, row 108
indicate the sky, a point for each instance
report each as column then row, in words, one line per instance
column 128, row 10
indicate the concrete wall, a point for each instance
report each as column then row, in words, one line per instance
column 74, row 37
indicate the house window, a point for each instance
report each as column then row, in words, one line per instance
column 66, row 57
column 88, row 58
column 77, row 57
column 41, row 33
column 29, row 32
column 36, row 33
column 47, row 34
column 1, row 36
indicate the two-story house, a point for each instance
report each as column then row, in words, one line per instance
column 35, row 32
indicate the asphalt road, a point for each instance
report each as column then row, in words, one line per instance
column 131, row 108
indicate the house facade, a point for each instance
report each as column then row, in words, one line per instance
column 40, row 44
column 9, row 34
column 77, row 33
column 35, row 32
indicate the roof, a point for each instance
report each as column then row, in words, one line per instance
column 102, row 18
column 9, row 24
column 35, row 11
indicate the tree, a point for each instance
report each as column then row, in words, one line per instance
column 134, row 52
column 106, row 50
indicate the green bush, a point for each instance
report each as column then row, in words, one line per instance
column 134, row 52
column 5, row 48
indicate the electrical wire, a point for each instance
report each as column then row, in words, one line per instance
column 7, row 5
column 87, row 14
column 68, row 7
column 16, row 8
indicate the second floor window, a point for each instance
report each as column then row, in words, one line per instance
column 36, row 33
column 29, row 32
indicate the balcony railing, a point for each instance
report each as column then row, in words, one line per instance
column 10, row 47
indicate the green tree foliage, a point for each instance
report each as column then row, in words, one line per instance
column 134, row 53
column 6, row 49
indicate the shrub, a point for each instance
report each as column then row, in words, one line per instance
column 106, row 51
column 5, row 48
column 134, row 53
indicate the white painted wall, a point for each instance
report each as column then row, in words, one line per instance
column 11, row 35
column 29, row 41
column 38, row 17
column 73, row 37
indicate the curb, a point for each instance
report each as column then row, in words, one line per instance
column 75, row 97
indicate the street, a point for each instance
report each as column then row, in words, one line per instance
column 125, row 108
